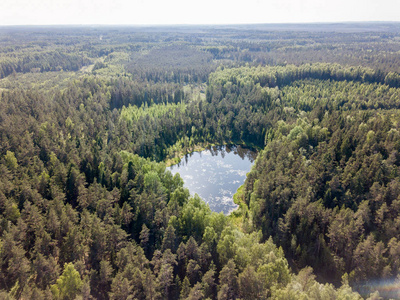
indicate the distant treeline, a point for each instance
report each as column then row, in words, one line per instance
column 42, row 62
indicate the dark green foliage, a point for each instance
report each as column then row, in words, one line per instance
column 323, row 187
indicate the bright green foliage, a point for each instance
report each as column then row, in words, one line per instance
column 304, row 286
column 68, row 285
column 10, row 160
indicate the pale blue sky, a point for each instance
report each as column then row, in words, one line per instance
column 47, row 12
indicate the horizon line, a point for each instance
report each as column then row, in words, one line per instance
column 199, row 24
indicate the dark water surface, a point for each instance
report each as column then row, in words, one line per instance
column 215, row 174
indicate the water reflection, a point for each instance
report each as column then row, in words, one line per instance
column 244, row 153
column 216, row 173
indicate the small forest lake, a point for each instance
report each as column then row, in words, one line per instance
column 215, row 174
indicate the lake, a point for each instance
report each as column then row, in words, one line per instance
column 215, row 174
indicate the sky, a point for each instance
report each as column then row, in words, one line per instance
column 157, row 12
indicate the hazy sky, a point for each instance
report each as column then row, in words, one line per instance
column 38, row 12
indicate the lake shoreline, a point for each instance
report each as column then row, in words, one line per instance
column 216, row 173
column 180, row 154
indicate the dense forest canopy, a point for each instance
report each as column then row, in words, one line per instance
column 91, row 116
